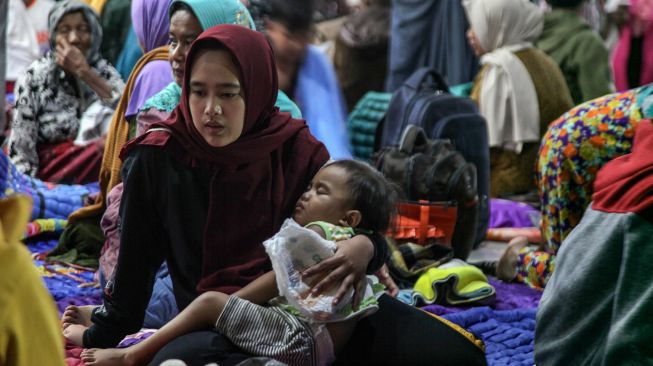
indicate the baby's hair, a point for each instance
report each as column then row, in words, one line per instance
column 371, row 194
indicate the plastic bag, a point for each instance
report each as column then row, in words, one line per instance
column 292, row 250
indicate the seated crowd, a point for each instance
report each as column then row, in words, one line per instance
column 221, row 131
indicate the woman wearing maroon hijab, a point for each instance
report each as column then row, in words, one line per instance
column 205, row 188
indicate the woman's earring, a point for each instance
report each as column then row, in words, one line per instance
column 218, row 109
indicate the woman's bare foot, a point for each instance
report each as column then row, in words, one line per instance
column 109, row 356
column 78, row 315
column 507, row 266
column 74, row 333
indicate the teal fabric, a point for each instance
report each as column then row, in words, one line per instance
column 211, row 12
column 645, row 100
column 461, row 90
column 167, row 99
column 364, row 120
column 285, row 104
column 129, row 56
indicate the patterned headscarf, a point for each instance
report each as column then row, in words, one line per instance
column 65, row 7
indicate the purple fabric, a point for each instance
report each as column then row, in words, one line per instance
column 93, row 299
column 151, row 22
column 509, row 296
column 154, row 76
column 505, row 213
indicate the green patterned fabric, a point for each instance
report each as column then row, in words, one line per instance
column 165, row 100
column 364, row 120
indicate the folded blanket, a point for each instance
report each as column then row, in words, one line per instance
column 50, row 201
column 454, row 283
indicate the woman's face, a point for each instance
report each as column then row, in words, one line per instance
column 184, row 29
column 75, row 30
column 475, row 43
column 216, row 97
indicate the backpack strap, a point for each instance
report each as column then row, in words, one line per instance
column 412, row 135
column 426, row 77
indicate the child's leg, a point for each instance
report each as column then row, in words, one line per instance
column 202, row 313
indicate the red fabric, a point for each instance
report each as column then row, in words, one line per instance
column 70, row 164
column 73, row 354
column 256, row 179
column 625, row 184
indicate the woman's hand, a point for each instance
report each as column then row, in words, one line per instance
column 345, row 269
column 71, row 59
column 391, row 287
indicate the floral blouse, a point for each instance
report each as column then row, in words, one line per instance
column 49, row 106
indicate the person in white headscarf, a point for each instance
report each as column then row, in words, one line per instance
column 519, row 89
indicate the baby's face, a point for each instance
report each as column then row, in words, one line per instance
column 326, row 198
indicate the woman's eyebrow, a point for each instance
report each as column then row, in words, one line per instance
column 220, row 85
column 229, row 85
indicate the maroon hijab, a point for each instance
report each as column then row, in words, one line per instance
column 256, row 179
column 625, row 184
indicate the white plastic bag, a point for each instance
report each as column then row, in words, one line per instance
column 292, row 250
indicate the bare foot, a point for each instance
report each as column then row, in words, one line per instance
column 78, row 315
column 109, row 356
column 507, row 266
column 74, row 333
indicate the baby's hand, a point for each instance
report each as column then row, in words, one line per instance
column 75, row 333
column 391, row 287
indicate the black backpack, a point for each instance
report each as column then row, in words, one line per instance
column 427, row 169
column 424, row 101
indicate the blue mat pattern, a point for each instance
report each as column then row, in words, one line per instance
column 508, row 334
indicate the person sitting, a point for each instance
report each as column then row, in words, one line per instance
column 579, row 51
column 222, row 175
column 596, row 309
column 343, row 198
column 57, row 92
column 575, row 147
column 519, row 89
column 306, row 75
